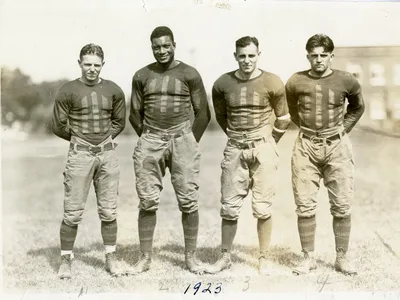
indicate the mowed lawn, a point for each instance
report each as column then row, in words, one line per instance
column 32, row 206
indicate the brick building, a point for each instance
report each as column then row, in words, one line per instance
column 378, row 71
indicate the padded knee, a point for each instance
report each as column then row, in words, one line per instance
column 73, row 218
column 107, row 215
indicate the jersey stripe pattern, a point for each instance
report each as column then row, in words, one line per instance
column 247, row 105
column 90, row 111
column 319, row 103
column 95, row 114
column 164, row 98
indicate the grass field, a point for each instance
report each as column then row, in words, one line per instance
column 32, row 194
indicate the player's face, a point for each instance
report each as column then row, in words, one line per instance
column 320, row 60
column 247, row 58
column 91, row 66
column 163, row 49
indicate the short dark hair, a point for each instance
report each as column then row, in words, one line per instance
column 161, row 31
column 320, row 40
column 246, row 41
column 92, row 49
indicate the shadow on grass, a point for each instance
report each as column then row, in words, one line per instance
column 241, row 254
column 127, row 253
column 174, row 253
column 52, row 254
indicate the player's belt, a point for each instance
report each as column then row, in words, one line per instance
column 320, row 139
column 249, row 144
column 166, row 136
column 92, row 149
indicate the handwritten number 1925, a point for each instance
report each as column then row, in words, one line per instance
column 197, row 287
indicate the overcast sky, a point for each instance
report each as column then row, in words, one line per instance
column 44, row 37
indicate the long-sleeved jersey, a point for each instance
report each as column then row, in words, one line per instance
column 319, row 103
column 242, row 105
column 90, row 112
column 163, row 98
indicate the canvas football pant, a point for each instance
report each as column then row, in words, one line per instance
column 176, row 149
column 250, row 163
column 84, row 167
column 330, row 160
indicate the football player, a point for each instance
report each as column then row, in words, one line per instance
column 245, row 101
column 316, row 99
column 89, row 112
column 163, row 95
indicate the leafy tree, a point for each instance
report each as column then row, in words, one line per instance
column 25, row 102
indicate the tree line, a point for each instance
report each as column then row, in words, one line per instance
column 25, row 105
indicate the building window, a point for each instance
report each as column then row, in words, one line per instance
column 396, row 109
column 377, row 106
column 356, row 70
column 377, row 74
column 396, row 74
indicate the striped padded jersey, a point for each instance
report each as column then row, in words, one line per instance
column 92, row 113
column 164, row 98
column 248, row 104
column 319, row 103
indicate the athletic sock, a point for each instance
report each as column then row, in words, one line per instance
column 264, row 229
column 67, row 252
column 228, row 231
column 110, row 249
column 109, row 232
column 306, row 227
column 341, row 230
column 147, row 224
column 67, row 236
column 190, row 223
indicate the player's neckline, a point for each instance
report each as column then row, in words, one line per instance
column 90, row 85
column 321, row 77
column 246, row 80
column 178, row 63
